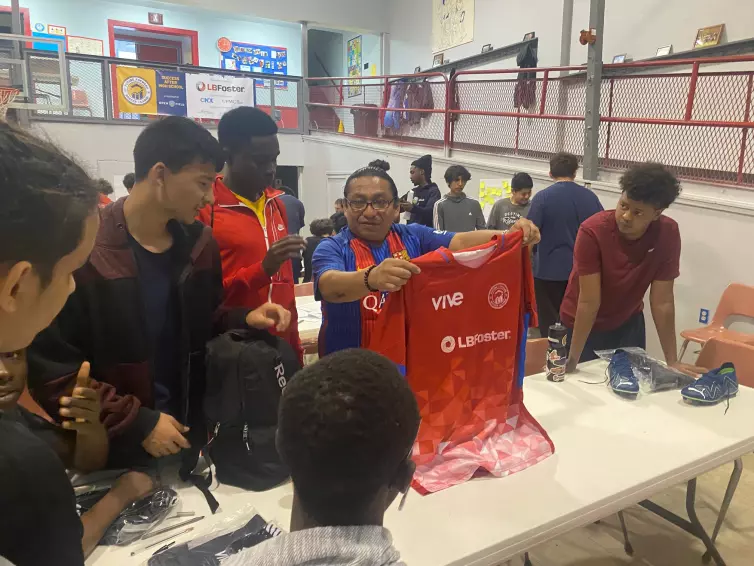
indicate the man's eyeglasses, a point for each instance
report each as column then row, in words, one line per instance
column 360, row 205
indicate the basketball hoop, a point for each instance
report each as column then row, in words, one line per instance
column 7, row 95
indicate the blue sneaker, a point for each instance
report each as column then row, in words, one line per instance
column 621, row 375
column 720, row 384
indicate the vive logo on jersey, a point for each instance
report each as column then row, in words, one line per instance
column 447, row 301
column 449, row 343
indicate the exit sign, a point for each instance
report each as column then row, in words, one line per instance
column 155, row 18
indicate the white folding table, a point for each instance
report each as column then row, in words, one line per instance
column 610, row 453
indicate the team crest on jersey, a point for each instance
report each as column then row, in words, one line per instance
column 402, row 254
column 498, row 296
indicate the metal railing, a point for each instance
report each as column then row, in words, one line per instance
column 694, row 121
column 93, row 96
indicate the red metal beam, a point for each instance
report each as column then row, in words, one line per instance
column 745, row 132
column 692, row 91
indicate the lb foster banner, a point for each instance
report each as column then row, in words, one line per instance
column 211, row 96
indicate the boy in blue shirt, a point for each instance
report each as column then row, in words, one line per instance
column 558, row 212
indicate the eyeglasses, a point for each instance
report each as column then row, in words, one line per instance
column 377, row 204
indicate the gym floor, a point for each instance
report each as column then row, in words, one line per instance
column 657, row 542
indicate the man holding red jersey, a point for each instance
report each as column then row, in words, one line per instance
column 249, row 221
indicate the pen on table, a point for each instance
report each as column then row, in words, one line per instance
column 168, row 529
column 176, row 535
column 163, row 548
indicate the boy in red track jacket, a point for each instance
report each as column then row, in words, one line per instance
column 249, row 221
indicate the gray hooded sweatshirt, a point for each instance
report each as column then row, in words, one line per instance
column 458, row 213
column 323, row 546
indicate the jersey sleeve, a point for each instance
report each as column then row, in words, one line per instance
column 327, row 256
column 429, row 239
column 389, row 333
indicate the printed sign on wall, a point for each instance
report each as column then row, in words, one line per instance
column 171, row 93
column 136, row 90
column 252, row 58
column 211, row 96
column 354, row 66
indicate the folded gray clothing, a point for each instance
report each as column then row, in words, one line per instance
column 324, row 546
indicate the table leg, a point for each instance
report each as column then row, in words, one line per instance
column 701, row 533
column 626, row 543
column 692, row 526
column 730, row 491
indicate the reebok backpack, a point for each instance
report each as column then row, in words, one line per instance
column 247, row 371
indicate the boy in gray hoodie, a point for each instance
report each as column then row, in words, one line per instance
column 456, row 212
column 346, row 428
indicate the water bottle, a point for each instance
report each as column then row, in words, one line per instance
column 557, row 353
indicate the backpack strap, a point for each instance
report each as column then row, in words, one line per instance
column 201, row 482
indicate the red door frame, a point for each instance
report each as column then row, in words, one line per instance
column 26, row 22
column 191, row 34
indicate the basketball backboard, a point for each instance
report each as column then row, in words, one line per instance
column 41, row 76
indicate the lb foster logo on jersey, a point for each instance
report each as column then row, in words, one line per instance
column 498, row 296
column 449, row 343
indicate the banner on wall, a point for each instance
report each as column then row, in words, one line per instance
column 211, row 96
column 253, row 58
column 354, row 66
column 137, row 90
column 171, row 93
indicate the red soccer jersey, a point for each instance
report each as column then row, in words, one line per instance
column 459, row 330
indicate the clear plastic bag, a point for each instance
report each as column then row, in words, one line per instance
column 653, row 375
column 228, row 537
column 140, row 517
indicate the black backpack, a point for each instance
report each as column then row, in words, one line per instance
column 247, row 371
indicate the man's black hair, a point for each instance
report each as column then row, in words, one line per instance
column 380, row 164
column 521, row 181
column 564, row 164
column 104, row 187
column 651, row 183
column 457, row 171
column 129, row 181
column 321, row 227
column 345, row 426
column 176, row 142
column 238, row 126
column 425, row 164
column 45, row 199
column 371, row 172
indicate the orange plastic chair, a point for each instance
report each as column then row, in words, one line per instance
column 718, row 351
column 738, row 299
column 536, row 355
column 304, row 289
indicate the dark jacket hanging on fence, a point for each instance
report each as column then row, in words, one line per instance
column 419, row 97
column 525, row 94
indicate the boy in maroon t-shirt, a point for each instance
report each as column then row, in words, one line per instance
column 619, row 254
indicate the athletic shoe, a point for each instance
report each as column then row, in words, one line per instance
column 717, row 385
column 621, row 375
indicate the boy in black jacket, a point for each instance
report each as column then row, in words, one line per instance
column 147, row 301
column 426, row 193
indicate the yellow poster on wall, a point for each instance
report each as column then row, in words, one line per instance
column 137, row 90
